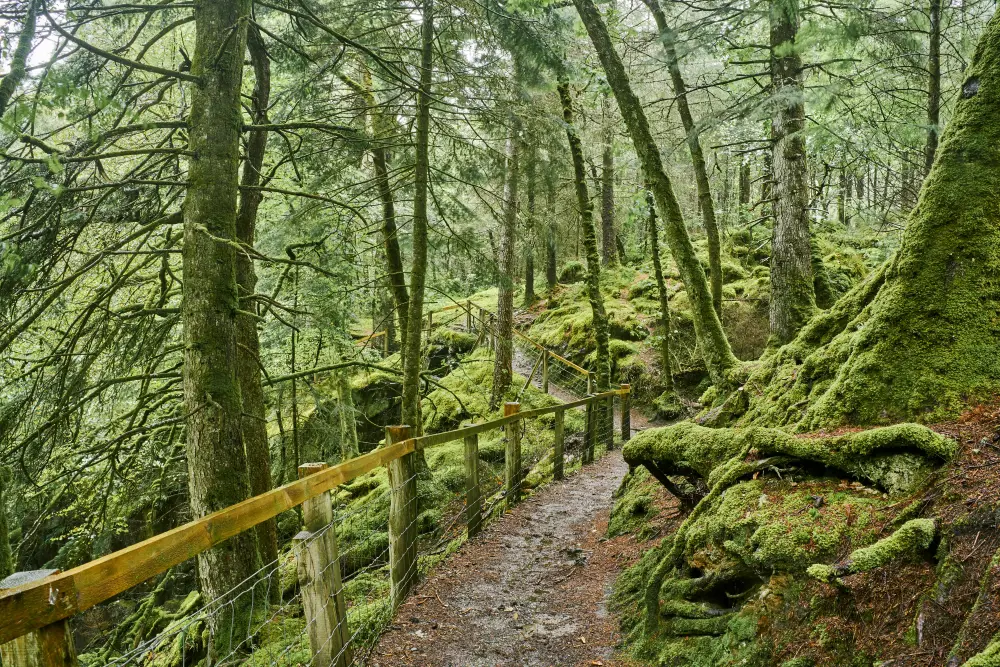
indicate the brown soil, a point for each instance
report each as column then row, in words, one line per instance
column 531, row 590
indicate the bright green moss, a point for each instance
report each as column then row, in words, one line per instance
column 912, row 537
column 894, row 457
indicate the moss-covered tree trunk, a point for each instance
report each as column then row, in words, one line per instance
column 792, row 295
column 530, row 174
column 385, row 128
column 919, row 338
column 6, row 553
column 608, row 246
column 661, row 290
column 715, row 348
column 504, row 350
column 418, row 269
column 19, row 59
column 705, row 202
column 217, row 464
column 599, row 314
column 551, row 267
column 248, row 364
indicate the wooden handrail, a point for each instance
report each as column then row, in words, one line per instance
column 34, row 605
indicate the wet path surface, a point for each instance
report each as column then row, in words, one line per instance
column 531, row 590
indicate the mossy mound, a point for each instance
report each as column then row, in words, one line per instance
column 767, row 510
column 572, row 272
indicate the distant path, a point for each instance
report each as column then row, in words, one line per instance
column 523, row 364
column 531, row 591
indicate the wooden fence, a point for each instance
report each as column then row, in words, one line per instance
column 34, row 614
column 485, row 321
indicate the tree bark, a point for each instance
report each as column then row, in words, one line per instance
column 719, row 357
column 418, row 269
column 19, row 59
column 217, row 464
column 705, row 203
column 6, row 553
column 599, row 315
column 792, row 295
column 933, row 85
column 248, row 365
column 551, row 268
column 661, row 290
column 529, row 240
column 608, row 246
column 504, row 351
column 918, row 339
column 384, row 128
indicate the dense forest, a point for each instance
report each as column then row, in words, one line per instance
column 224, row 224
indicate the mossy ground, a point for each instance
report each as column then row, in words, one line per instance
column 928, row 601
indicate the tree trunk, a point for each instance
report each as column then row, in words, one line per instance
column 744, row 194
column 529, row 240
column 608, row 247
column 792, row 297
column 19, row 60
column 6, row 553
column 384, row 129
column 661, row 289
column 705, row 204
column 918, row 339
column 718, row 355
column 551, row 268
column 600, row 316
column 504, row 351
column 217, row 463
column 933, row 85
column 418, row 270
column 248, row 364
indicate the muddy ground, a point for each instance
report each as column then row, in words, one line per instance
column 531, row 590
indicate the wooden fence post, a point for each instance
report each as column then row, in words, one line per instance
column 385, row 344
column 545, row 371
column 318, row 566
column 430, row 321
column 512, row 455
column 402, row 517
column 626, row 412
column 590, row 383
column 609, row 424
column 50, row 646
column 473, row 494
column 589, row 435
column 468, row 316
column 558, row 441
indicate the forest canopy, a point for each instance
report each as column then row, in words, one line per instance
column 223, row 224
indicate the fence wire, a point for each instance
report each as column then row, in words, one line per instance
column 283, row 615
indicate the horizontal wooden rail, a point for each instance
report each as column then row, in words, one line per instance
column 37, row 604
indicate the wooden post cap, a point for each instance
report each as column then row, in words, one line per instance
column 307, row 469
column 511, row 408
column 398, row 433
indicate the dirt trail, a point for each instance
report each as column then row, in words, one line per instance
column 531, row 590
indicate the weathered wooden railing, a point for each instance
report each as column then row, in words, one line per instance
column 34, row 614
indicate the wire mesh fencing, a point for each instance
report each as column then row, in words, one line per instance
column 335, row 595
column 333, row 591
